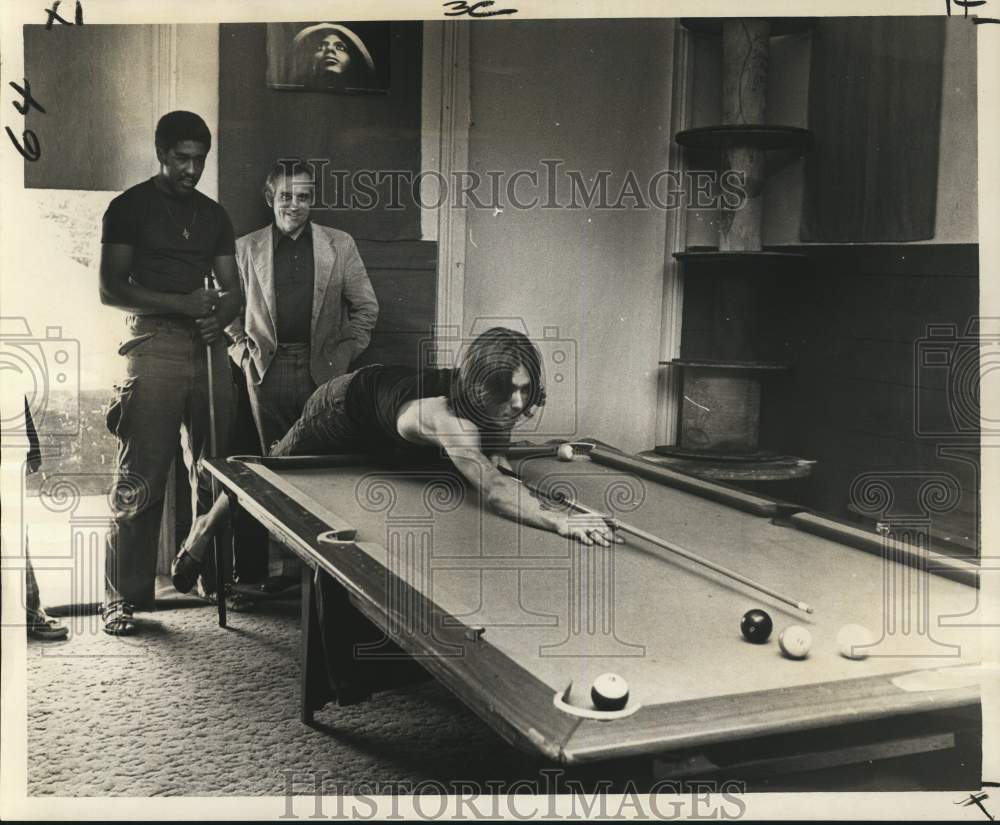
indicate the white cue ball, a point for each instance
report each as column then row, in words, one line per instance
column 609, row 692
column 795, row 641
column 565, row 452
column 853, row 641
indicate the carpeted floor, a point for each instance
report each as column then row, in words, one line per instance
column 190, row 709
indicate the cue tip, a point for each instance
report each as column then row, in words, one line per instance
column 807, row 608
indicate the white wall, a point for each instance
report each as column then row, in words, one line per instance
column 595, row 95
column 196, row 88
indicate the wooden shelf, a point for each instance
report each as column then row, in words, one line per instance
column 756, row 136
column 742, row 263
column 741, row 256
column 780, row 26
column 750, row 467
column 746, row 366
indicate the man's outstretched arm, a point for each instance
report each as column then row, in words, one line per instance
column 429, row 421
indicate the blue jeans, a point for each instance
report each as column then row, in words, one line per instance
column 323, row 428
column 164, row 396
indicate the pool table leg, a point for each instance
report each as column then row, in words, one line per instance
column 312, row 650
column 329, row 671
column 219, row 523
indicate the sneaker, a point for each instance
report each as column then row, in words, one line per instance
column 118, row 619
column 45, row 627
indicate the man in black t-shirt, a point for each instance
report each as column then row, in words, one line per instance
column 160, row 240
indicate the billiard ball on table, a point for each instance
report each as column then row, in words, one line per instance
column 609, row 692
column 756, row 626
column 853, row 641
column 565, row 452
column 795, row 641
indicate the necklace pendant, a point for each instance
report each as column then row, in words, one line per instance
column 186, row 234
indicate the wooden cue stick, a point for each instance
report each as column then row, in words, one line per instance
column 213, row 448
column 666, row 545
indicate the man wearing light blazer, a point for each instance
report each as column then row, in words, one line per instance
column 310, row 310
column 310, row 307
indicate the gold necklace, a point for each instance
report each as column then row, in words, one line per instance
column 185, row 231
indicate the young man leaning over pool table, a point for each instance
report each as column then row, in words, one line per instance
column 468, row 413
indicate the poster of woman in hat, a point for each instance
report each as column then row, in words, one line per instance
column 328, row 57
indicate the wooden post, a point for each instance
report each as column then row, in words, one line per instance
column 745, row 47
column 721, row 411
column 721, row 408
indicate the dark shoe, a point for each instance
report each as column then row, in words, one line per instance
column 45, row 627
column 118, row 619
column 276, row 585
column 236, row 601
column 184, row 571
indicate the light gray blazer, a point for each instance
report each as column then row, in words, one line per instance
column 344, row 307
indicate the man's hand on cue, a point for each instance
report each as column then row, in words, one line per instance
column 209, row 328
column 499, row 460
column 216, row 312
column 199, row 303
column 588, row 529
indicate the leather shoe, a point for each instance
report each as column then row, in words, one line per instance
column 184, row 571
column 277, row 585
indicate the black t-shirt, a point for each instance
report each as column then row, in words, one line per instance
column 154, row 223
column 378, row 392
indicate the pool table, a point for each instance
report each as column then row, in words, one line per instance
column 517, row 621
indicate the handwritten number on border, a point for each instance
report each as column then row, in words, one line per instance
column 54, row 15
column 31, row 149
column 461, row 7
column 970, row 4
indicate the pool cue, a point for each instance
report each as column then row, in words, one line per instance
column 624, row 527
column 213, row 447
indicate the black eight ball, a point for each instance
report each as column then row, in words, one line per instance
column 756, row 626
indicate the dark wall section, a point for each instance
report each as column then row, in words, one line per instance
column 97, row 128
column 885, row 382
column 374, row 132
column 872, row 176
column 404, row 277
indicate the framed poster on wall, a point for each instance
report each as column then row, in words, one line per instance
column 328, row 57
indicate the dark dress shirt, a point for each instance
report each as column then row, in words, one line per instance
column 293, row 285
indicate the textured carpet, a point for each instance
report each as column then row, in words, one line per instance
column 190, row 709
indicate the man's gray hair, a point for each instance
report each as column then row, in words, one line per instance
column 285, row 169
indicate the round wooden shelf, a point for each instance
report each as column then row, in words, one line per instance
column 780, row 26
column 755, row 136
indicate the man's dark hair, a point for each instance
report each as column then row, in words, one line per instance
column 485, row 376
column 175, row 127
column 287, row 168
